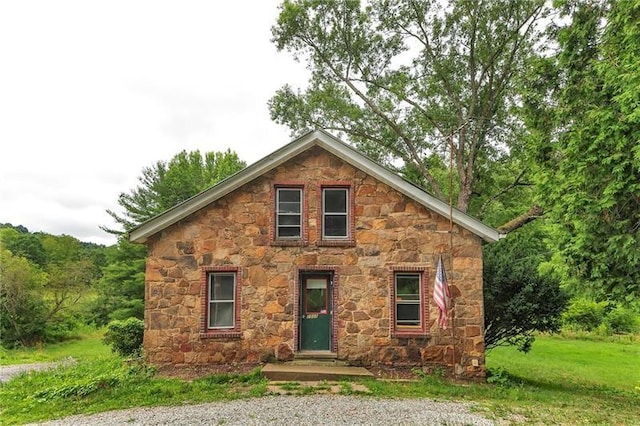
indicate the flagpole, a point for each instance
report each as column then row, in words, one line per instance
column 453, row 325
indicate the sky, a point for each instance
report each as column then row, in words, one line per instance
column 91, row 92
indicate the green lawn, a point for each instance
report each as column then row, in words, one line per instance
column 87, row 347
column 580, row 363
column 561, row 381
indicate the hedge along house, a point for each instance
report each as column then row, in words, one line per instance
column 315, row 249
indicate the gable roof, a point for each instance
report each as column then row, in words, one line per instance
column 335, row 146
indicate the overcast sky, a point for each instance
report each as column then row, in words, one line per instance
column 91, row 92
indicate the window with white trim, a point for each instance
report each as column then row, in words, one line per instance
column 408, row 303
column 288, row 213
column 335, row 213
column 221, row 296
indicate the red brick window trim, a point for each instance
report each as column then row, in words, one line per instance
column 327, row 212
column 407, row 319
column 221, row 276
column 278, row 189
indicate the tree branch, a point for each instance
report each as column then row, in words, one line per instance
column 532, row 214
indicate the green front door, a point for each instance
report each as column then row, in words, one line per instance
column 315, row 312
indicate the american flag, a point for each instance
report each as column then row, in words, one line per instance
column 441, row 295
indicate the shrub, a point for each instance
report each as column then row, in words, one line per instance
column 584, row 315
column 125, row 337
column 622, row 320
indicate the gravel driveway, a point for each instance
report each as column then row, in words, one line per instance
column 313, row 410
column 282, row 410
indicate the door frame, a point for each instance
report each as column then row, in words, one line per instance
column 332, row 275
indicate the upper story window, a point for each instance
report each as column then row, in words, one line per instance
column 288, row 213
column 335, row 213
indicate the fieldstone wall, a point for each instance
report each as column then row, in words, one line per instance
column 391, row 231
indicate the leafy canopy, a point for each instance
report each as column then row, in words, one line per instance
column 166, row 184
column 585, row 127
column 409, row 81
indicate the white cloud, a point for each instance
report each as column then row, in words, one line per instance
column 92, row 92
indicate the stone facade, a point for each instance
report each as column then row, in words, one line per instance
column 390, row 232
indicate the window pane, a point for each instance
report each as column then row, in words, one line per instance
column 408, row 286
column 289, row 195
column 289, row 220
column 288, row 207
column 408, row 314
column 288, row 231
column 335, row 200
column 222, row 287
column 335, row 226
column 316, row 300
column 221, row 314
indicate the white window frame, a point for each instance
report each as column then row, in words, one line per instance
column 280, row 214
column 345, row 214
column 211, row 301
column 397, row 301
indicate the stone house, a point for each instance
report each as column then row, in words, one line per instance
column 315, row 249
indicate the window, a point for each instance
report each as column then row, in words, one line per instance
column 409, row 307
column 408, row 300
column 220, row 295
column 288, row 213
column 222, row 303
column 335, row 213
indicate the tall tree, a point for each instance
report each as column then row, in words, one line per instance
column 23, row 310
column 587, row 142
column 166, row 184
column 413, row 80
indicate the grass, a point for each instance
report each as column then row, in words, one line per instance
column 87, row 346
column 561, row 381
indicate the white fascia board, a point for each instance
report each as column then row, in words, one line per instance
column 367, row 165
column 156, row 224
column 331, row 144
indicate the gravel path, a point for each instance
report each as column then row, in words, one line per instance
column 292, row 410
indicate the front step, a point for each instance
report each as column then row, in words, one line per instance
column 305, row 373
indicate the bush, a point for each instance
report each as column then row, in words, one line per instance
column 125, row 337
column 584, row 314
column 622, row 320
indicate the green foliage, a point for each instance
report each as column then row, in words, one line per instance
column 519, row 300
column 406, row 79
column 166, row 184
column 584, row 315
column 24, row 244
column 64, row 270
column 121, row 288
column 621, row 320
column 125, row 337
column 584, row 126
column 23, row 311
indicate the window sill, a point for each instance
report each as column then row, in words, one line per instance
column 410, row 333
column 221, row 334
column 336, row 243
column 289, row 243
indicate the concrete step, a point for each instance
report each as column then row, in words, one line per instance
column 303, row 373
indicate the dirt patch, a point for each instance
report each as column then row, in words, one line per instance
column 193, row 372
